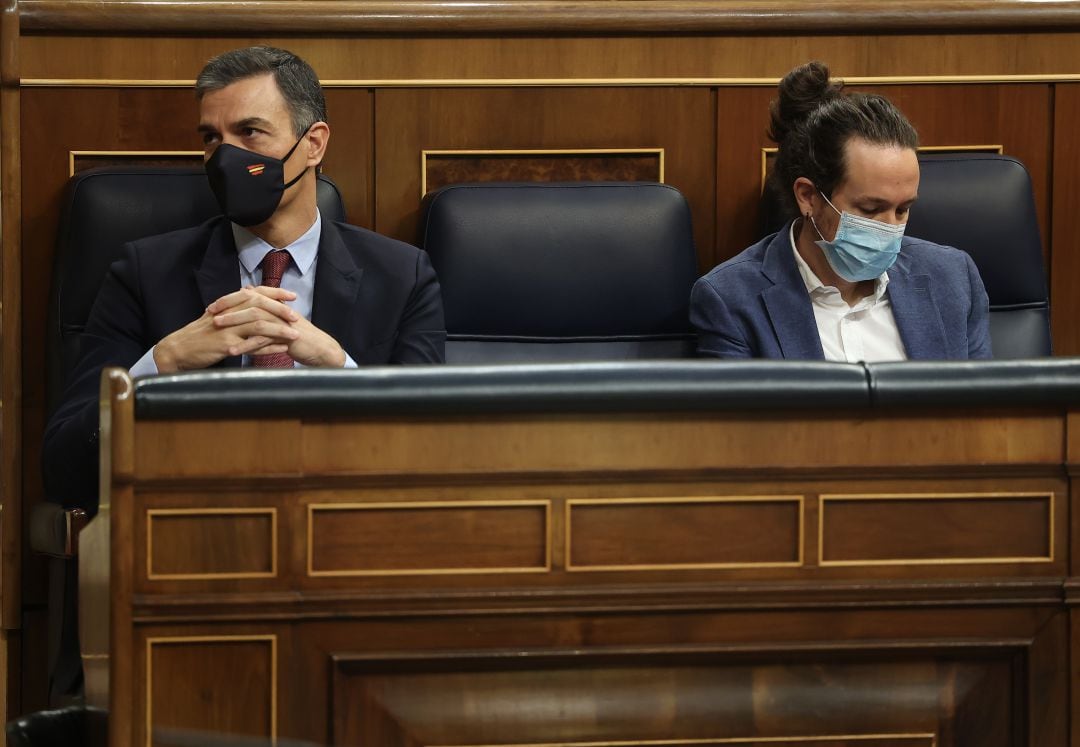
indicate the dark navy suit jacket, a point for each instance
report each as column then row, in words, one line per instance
column 379, row 298
column 755, row 305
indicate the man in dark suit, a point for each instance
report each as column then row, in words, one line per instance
column 268, row 284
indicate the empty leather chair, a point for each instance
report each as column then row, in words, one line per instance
column 983, row 204
column 562, row 271
column 103, row 209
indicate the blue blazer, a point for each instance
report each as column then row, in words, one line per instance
column 755, row 305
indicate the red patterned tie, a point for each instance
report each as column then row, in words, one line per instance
column 274, row 265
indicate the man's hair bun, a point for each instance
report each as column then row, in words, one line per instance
column 802, row 91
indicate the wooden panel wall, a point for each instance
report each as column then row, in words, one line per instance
column 116, row 78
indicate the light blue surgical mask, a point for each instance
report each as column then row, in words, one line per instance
column 862, row 248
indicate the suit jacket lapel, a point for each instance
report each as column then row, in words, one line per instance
column 787, row 302
column 917, row 316
column 337, row 284
column 219, row 273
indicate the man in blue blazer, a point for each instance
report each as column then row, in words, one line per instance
column 841, row 282
column 268, row 284
column 756, row 304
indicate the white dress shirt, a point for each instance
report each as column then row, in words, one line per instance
column 299, row 278
column 866, row 331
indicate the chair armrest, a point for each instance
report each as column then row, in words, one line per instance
column 73, row 725
column 54, row 530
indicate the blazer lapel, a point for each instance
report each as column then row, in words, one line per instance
column 337, row 284
column 219, row 273
column 787, row 302
column 917, row 316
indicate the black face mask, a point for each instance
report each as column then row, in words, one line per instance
column 248, row 185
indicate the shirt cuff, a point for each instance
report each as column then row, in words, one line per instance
column 146, row 366
column 349, row 362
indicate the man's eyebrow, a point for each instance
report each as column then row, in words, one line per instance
column 247, row 122
column 252, row 122
column 868, row 199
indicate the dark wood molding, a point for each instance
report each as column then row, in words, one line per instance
column 11, row 318
column 559, row 17
column 670, row 598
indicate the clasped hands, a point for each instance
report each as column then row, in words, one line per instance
column 250, row 321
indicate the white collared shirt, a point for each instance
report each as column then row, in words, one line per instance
column 866, row 331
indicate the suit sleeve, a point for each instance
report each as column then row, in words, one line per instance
column 978, row 332
column 113, row 337
column 719, row 334
column 422, row 332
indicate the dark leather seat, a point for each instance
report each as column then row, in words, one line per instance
column 73, row 726
column 562, row 271
column 104, row 208
column 983, row 204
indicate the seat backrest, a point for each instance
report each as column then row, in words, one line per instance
column 981, row 203
column 562, row 271
column 107, row 207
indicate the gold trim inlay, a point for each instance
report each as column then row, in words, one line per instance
column 796, row 499
column 411, row 505
column 1051, row 496
column 659, row 152
column 151, row 513
column 172, row 640
column 723, row 740
column 73, row 154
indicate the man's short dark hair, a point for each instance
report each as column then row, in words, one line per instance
column 298, row 83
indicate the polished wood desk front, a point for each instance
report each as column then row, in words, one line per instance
column 886, row 577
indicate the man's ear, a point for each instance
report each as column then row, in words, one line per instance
column 804, row 190
column 318, row 137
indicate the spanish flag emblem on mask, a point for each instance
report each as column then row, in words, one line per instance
column 256, row 168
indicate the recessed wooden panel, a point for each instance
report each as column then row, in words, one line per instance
column 211, row 543
column 217, row 684
column 428, row 538
column 667, row 698
column 645, row 534
column 83, row 160
column 936, row 529
column 440, row 168
column 409, row 121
